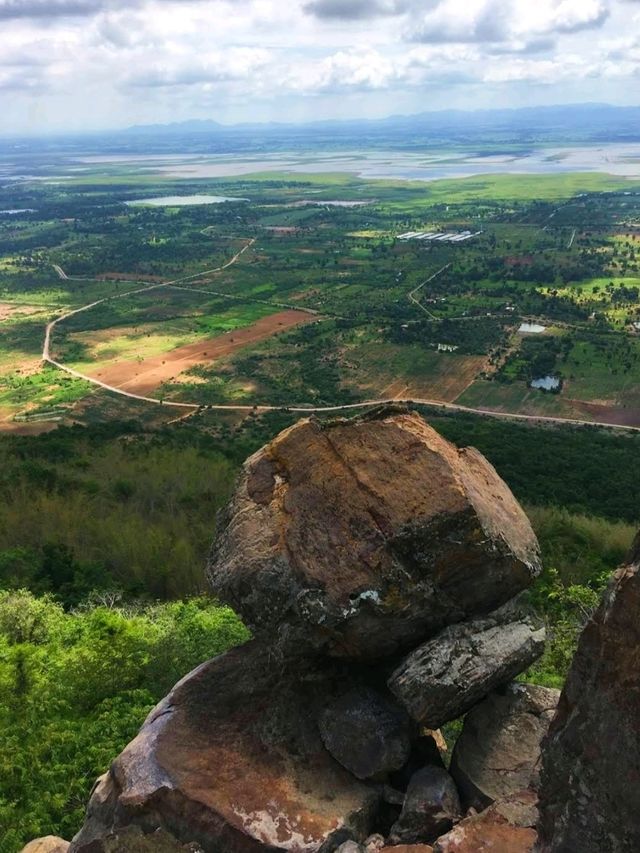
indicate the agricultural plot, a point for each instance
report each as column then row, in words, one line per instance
column 298, row 290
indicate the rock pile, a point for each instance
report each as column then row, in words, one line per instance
column 377, row 566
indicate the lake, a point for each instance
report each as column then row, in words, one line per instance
column 183, row 200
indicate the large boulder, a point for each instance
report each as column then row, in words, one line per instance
column 431, row 806
column 49, row 844
column 366, row 732
column 591, row 756
column 232, row 759
column 446, row 676
column 498, row 751
column 134, row 840
column 362, row 537
column 507, row 826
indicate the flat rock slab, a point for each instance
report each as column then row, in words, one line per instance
column 361, row 537
column 498, row 751
column 232, row 760
column 446, row 676
column 590, row 780
column 408, row 848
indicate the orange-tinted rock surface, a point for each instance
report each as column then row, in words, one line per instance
column 49, row 844
column 367, row 536
column 590, row 785
column 232, row 759
column 505, row 827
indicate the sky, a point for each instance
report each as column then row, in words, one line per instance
column 73, row 65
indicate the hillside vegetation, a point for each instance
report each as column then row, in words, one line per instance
column 104, row 532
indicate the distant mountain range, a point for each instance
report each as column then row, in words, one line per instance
column 593, row 121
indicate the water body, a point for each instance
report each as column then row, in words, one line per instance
column 546, row 383
column 532, row 329
column 183, row 200
column 620, row 159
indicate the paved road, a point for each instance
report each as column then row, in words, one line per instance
column 297, row 409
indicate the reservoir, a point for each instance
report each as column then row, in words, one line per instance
column 182, row 200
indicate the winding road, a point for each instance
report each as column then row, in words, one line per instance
column 301, row 408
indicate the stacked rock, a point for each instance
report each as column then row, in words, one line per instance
column 377, row 566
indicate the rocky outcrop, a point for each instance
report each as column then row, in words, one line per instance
column 232, row 759
column 345, row 546
column 591, row 756
column 448, row 675
column 507, row 826
column 367, row 536
column 50, row 844
column 498, row 751
column 430, row 807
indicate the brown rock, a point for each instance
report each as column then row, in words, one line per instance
column 363, row 537
column 591, row 756
column 446, row 676
column 49, row 844
column 498, row 751
column 232, row 760
column 505, row 827
column 408, row 848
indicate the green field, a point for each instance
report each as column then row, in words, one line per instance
column 548, row 248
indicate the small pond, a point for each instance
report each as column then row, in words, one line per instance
column 531, row 329
column 546, row 383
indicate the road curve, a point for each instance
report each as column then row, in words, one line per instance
column 299, row 408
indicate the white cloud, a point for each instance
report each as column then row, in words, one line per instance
column 116, row 62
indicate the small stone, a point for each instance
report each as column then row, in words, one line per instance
column 374, row 844
column 350, row 847
column 446, row 676
column 49, row 844
column 430, row 807
column 367, row 733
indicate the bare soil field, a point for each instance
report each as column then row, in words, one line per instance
column 142, row 377
column 8, row 310
column 619, row 415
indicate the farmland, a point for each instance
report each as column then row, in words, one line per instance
column 296, row 290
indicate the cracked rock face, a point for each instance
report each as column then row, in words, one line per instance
column 498, row 751
column 446, row 676
column 364, row 537
column 232, row 761
column 591, row 757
